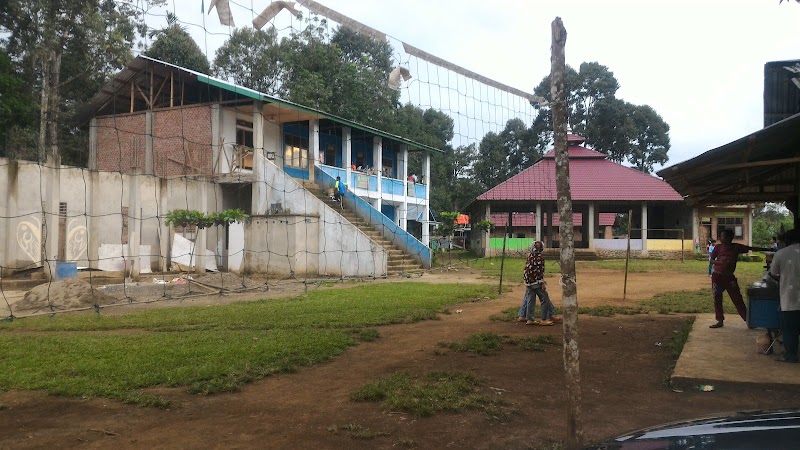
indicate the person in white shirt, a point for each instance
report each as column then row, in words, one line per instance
column 785, row 269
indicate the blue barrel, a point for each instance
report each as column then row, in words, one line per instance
column 66, row 269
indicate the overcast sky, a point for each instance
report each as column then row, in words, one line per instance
column 698, row 63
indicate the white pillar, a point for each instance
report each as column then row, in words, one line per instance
column 426, row 227
column 377, row 164
column 592, row 226
column 92, row 144
column 9, row 255
column 164, row 236
column 487, row 235
column 403, row 161
column 200, row 239
column 539, row 221
column 259, row 201
column 749, row 226
column 696, row 225
column 134, row 221
column 313, row 147
column 52, row 199
column 644, row 228
column 347, row 154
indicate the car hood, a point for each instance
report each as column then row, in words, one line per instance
column 742, row 430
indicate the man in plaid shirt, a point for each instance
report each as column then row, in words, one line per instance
column 537, row 287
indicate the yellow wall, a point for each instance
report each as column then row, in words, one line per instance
column 670, row 245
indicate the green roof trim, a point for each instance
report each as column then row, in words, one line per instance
column 250, row 93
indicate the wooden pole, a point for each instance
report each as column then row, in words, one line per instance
column 569, row 286
column 503, row 258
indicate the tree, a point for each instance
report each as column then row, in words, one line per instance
column 175, row 46
column 610, row 125
column 520, row 143
column 650, row 139
column 453, row 187
column 251, row 58
column 569, row 285
column 17, row 112
column 492, row 165
column 68, row 46
column 767, row 223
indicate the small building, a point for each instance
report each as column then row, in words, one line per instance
column 662, row 224
column 164, row 137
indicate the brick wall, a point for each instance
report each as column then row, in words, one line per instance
column 181, row 141
column 120, row 142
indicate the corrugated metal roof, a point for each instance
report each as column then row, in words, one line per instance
column 759, row 167
column 592, row 178
column 140, row 63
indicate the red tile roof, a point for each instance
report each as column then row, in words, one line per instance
column 592, row 177
column 529, row 220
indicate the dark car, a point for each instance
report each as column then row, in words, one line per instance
column 743, row 430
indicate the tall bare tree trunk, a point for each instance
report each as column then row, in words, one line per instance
column 568, row 281
column 49, row 103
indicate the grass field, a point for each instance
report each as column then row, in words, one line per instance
column 209, row 349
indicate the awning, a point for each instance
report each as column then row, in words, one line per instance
column 761, row 167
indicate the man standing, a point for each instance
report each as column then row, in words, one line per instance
column 724, row 258
column 537, row 287
column 785, row 268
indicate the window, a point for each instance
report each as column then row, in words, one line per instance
column 734, row 223
column 244, row 133
column 330, row 155
column 296, row 154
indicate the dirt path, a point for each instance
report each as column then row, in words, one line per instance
column 623, row 368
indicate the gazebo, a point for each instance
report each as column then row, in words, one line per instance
column 661, row 222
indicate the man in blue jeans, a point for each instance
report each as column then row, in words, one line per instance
column 785, row 269
column 536, row 287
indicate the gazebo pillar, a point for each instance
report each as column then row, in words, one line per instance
column 539, row 221
column 695, row 225
column 487, row 235
column 644, row 229
column 592, row 226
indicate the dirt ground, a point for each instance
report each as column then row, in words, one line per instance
column 623, row 368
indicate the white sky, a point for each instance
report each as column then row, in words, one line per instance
column 698, row 63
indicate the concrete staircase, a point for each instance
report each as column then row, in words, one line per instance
column 398, row 261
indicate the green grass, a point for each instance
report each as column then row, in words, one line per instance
column 207, row 349
column 678, row 339
column 485, row 344
column 438, row 391
column 357, row 431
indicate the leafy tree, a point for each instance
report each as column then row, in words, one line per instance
column 175, row 46
column 17, row 112
column 492, row 165
column 650, row 141
column 767, row 222
column 67, row 49
column 251, row 58
column 453, row 187
column 610, row 125
column 520, row 144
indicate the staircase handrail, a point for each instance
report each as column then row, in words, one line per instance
column 387, row 227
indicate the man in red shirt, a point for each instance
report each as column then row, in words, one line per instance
column 724, row 258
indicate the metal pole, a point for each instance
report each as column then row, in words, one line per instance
column 503, row 258
column 683, row 235
column 627, row 256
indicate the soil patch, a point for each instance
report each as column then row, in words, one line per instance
column 63, row 294
column 624, row 366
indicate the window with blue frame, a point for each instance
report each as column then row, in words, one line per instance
column 296, row 152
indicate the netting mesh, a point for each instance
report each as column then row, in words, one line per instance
column 163, row 138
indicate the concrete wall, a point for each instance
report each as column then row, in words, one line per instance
column 301, row 235
column 98, row 208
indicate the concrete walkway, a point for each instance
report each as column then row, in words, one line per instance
column 729, row 355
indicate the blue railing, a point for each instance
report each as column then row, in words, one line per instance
column 390, row 230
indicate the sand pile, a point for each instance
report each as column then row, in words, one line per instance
column 63, row 294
